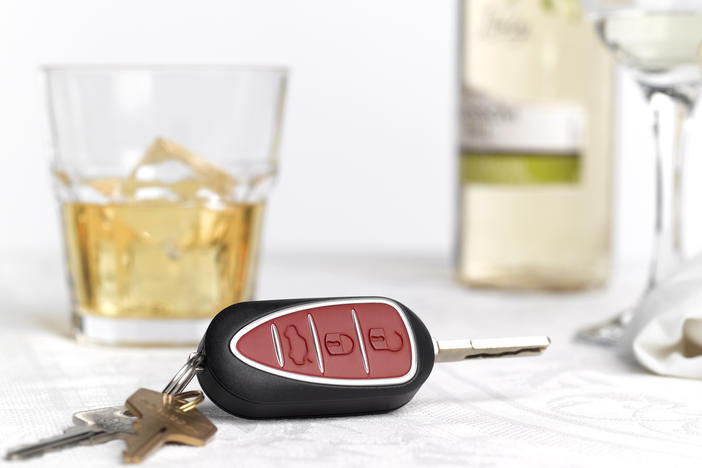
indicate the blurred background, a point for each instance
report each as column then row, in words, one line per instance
column 368, row 158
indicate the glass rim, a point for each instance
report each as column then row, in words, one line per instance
column 162, row 67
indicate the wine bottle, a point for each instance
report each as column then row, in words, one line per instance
column 535, row 147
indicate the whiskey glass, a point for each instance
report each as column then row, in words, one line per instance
column 161, row 175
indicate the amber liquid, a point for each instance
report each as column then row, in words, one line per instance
column 160, row 259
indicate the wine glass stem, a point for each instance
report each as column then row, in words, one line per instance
column 671, row 110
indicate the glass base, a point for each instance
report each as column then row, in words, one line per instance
column 139, row 332
column 609, row 333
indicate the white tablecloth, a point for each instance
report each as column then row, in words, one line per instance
column 576, row 405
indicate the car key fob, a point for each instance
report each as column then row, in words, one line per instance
column 332, row 356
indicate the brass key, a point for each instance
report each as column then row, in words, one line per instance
column 163, row 418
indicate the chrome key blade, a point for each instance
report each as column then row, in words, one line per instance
column 459, row 350
column 93, row 426
column 113, row 419
column 71, row 436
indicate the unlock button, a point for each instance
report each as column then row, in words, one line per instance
column 380, row 342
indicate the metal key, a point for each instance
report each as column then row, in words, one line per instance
column 330, row 356
column 163, row 418
column 459, row 350
column 90, row 427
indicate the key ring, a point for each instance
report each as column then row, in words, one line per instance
column 187, row 405
column 186, row 373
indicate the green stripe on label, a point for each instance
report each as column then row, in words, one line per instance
column 505, row 168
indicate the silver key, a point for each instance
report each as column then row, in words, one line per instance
column 90, row 427
column 458, row 350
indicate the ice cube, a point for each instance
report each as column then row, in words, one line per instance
column 168, row 171
column 110, row 188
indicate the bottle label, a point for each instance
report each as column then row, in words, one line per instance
column 519, row 143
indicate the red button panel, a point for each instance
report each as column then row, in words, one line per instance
column 361, row 341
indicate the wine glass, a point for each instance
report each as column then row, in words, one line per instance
column 659, row 43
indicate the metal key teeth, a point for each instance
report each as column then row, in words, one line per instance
column 98, row 426
column 90, row 427
column 459, row 350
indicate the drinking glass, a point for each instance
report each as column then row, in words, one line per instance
column 161, row 174
column 659, row 43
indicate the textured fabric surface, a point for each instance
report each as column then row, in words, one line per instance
column 577, row 405
column 667, row 329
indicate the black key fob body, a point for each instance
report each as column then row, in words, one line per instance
column 314, row 357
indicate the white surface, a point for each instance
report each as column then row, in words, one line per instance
column 667, row 332
column 369, row 130
column 576, row 405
